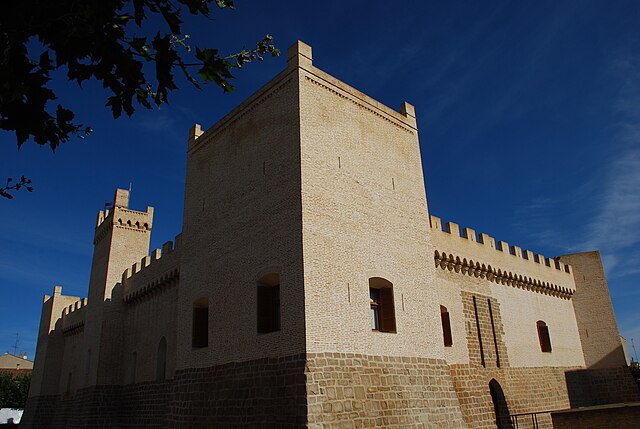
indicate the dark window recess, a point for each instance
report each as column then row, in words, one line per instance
column 446, row 326
column 268, row 304
column 383, row 315
column 200, row 325
column 543, row 336
column 161, row 364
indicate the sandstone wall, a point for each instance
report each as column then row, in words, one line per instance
column 242, row 220
column 364, row 215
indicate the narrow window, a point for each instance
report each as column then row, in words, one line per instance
column 383, row 315
column 475, row 310
column 88, row 365
column 268, row 311
column 446, row 326
column 161, row 366
column 493, row 330
column 200, row 323
column 134, row 364
column 69, row 378
column 543, row 336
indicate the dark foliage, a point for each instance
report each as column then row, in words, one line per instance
column 14, row 390
column 111, row 41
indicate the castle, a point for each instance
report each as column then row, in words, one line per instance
column 310, row 287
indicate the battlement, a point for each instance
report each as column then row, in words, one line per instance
column 124, row 218
column 73, row 316
column 453, row 229
column 152, row 271
column 300, row 57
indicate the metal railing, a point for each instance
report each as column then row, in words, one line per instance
column 521, row 418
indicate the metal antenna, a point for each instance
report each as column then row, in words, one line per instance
column 15, row 346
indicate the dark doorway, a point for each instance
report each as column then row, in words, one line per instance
column 500, row 407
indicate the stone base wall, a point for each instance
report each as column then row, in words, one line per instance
column 347, row 390
column 94, row 407
column 260, row 393
column 588, row 387
column 619, row 416
column 526, row 390
column 332, row 390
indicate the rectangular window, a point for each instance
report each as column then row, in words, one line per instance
column 268, row 308
column 383, row 315
column 200, row 327
column 446, row 326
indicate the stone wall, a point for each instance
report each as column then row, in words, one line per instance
column 526, row 390
column 589, row 387
column 259, row 393
column 596, row 320
column 347, row 390
column 619, row 416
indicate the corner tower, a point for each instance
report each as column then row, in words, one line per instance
column 121, row 238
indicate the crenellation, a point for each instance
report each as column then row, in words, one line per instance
column 453, row 229
column 487, row 240
column 435, row 223
column 503, row 246
column 469, row 235
column 156, row 254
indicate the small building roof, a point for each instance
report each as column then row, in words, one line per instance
column 9, row 361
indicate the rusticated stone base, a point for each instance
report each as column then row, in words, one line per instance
column 619, row 416
column 264, row 393
column 525, row 390
column 589, row 387
column 267, row 393
column 347, row 390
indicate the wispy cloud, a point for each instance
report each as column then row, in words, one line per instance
column 157, row 122
column 615, row 229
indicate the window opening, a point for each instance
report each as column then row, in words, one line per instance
column 543, row 336
column 200, row 323
column 268, row 312
column 383, row 316
column 161, row 366
column 446, row 326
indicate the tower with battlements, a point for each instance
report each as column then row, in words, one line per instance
column 311, row 287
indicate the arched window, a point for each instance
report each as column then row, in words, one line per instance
column 383, row 315
column 268, row 298
column 161, row 366
column 446, row 326
column 200, row 323
column 543, row 336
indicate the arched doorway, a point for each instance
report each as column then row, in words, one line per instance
column 500, row 407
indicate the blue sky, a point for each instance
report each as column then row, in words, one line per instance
column 529, row 119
